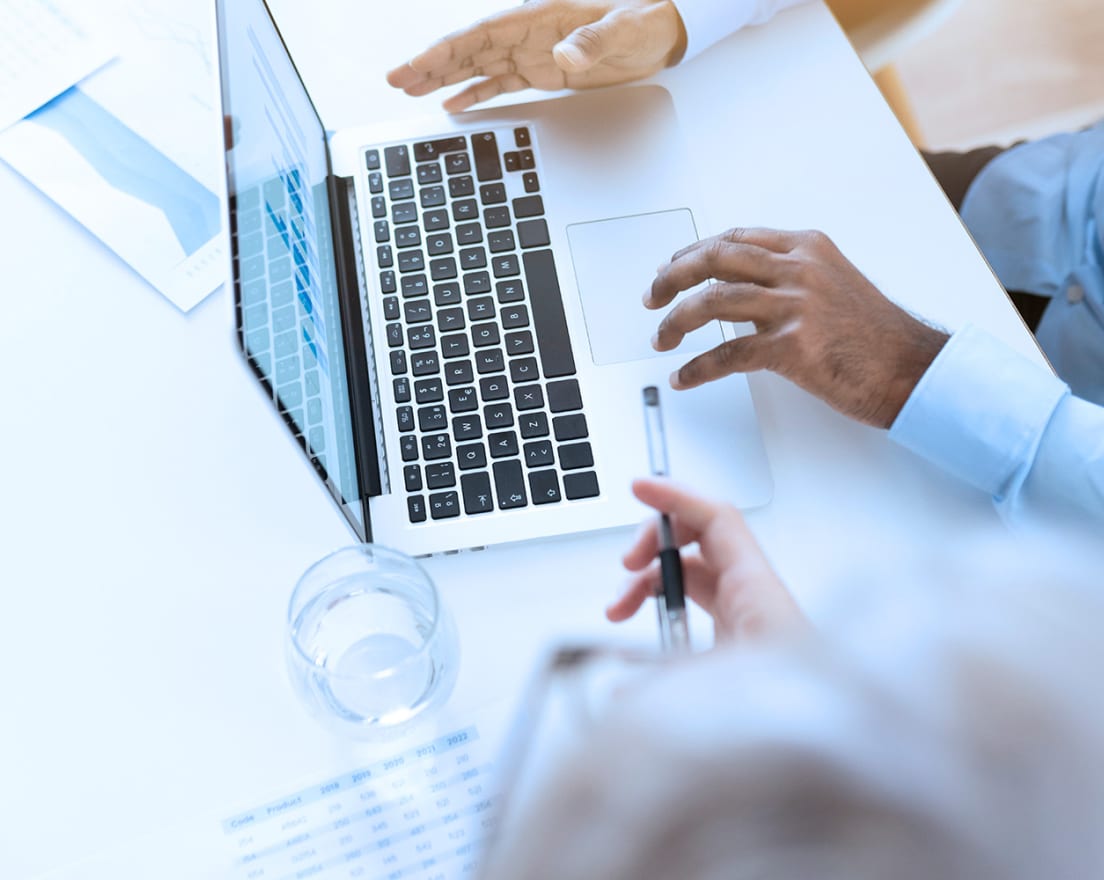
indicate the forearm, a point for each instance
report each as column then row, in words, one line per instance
column 709, row 21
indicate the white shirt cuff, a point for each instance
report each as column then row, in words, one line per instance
column 709, row 21
column 979, row 412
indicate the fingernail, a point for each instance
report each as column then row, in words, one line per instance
column 655, row 341
column 647, row 298
column 674, row 380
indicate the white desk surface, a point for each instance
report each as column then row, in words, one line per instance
column 155, row 514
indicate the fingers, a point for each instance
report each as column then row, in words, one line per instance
column 484, row 91
column 724, row 301
column 716, row 258
column 691, row 515
column 744, row 355
column 697, row 578
column 590, row 44
column 778, row 240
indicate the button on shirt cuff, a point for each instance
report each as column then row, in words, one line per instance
column 979, row 412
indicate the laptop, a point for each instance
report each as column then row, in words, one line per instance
column 447, row 314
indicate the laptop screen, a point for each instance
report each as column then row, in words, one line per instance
column 289, row 320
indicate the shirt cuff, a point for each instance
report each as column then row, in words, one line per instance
column 710, row 21
column 979, row 412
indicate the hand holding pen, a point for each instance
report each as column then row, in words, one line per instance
column 727, row 574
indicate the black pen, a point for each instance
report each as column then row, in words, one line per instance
column 674, row 633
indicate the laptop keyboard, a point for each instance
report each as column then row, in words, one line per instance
column 488, row 408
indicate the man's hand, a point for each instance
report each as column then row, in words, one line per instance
column 549, row 44
column 729, row 576
column 819, row 322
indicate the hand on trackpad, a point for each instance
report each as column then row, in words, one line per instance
column 615, row 262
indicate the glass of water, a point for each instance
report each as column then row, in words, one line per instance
column 370, row 646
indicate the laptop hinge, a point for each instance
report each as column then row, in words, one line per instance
column 359, row 356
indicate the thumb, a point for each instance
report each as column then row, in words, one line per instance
column 590, row 44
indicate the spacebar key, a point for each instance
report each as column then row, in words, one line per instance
column 548, row 314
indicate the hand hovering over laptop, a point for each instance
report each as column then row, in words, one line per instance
column 729, row 576
column 819, row 322
column 549, row 44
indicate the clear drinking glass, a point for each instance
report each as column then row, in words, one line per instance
column 370, row 646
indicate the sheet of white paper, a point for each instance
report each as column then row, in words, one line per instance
column 134, row 154
column 44, row 49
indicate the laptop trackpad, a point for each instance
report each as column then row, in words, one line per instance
column 615, row 262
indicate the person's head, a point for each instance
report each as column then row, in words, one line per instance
column 945, row 725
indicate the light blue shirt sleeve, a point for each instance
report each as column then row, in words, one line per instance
column 1007, row 426
column 709, row 21
column 1037, row 213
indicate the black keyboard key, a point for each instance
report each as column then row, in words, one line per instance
column 372, row 160
column 412, row 477
column 459, row 373
column 476, row 489
column 485, row 334
column 584, row 485
column 388, row 284
column 533, row 233
column 459, row 187
column 471, row 455
column 432, row 418
column 411, row 261
column 402, row 390
column 509, row 484
column 444, row 505
column 520, row 342
column 432, row 196
column 469, row 233
column 505, row 266
column 442, row 268
column 425, row 363
column 528, row 397
column 404, row 212
column 467, row 428
column 449, row 320
column 521, row 137
column 394, row 335
column 476, row 283
column 429, row 173
column 512, row 160
column 408, row 445
column 533, row 425
column 414, row 285
column 439, row 244
column 463, row 400
column 548, row 314
column 513, row 317
column 397, row 161
column 493, row 218
column 473, row 258
column 498, row 415
column 400, row 190
column 440, row 476
column 465, row 210
column 457, row 164
column 436, row 446
column 531, row 181
column 564, row 396
column 528, row 206
column 435, row 220
column 485, row 150
column 492, row 388
column 544, row 487
column 528, row 160
column 425, row 151
column 538, row 454
column 382, row 231
column 375, row 182
column 489, row 361
column 408, row 236
column 405, row 417
column 455, row 345
column 417, row 311
column 524, row 370
column 427, row 390
column 572, row 427
column 447, row 294
column 510, row 291
column 492, row 193
column 481, row 308
column 503, row 444
column 379, row 206
column 398, row 363
column 415, row 506
column 574, row 456
column 501, row 240
column 384, row 256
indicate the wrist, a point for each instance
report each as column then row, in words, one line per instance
column 922, row 346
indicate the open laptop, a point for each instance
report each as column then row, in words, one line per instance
column 448, row 315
